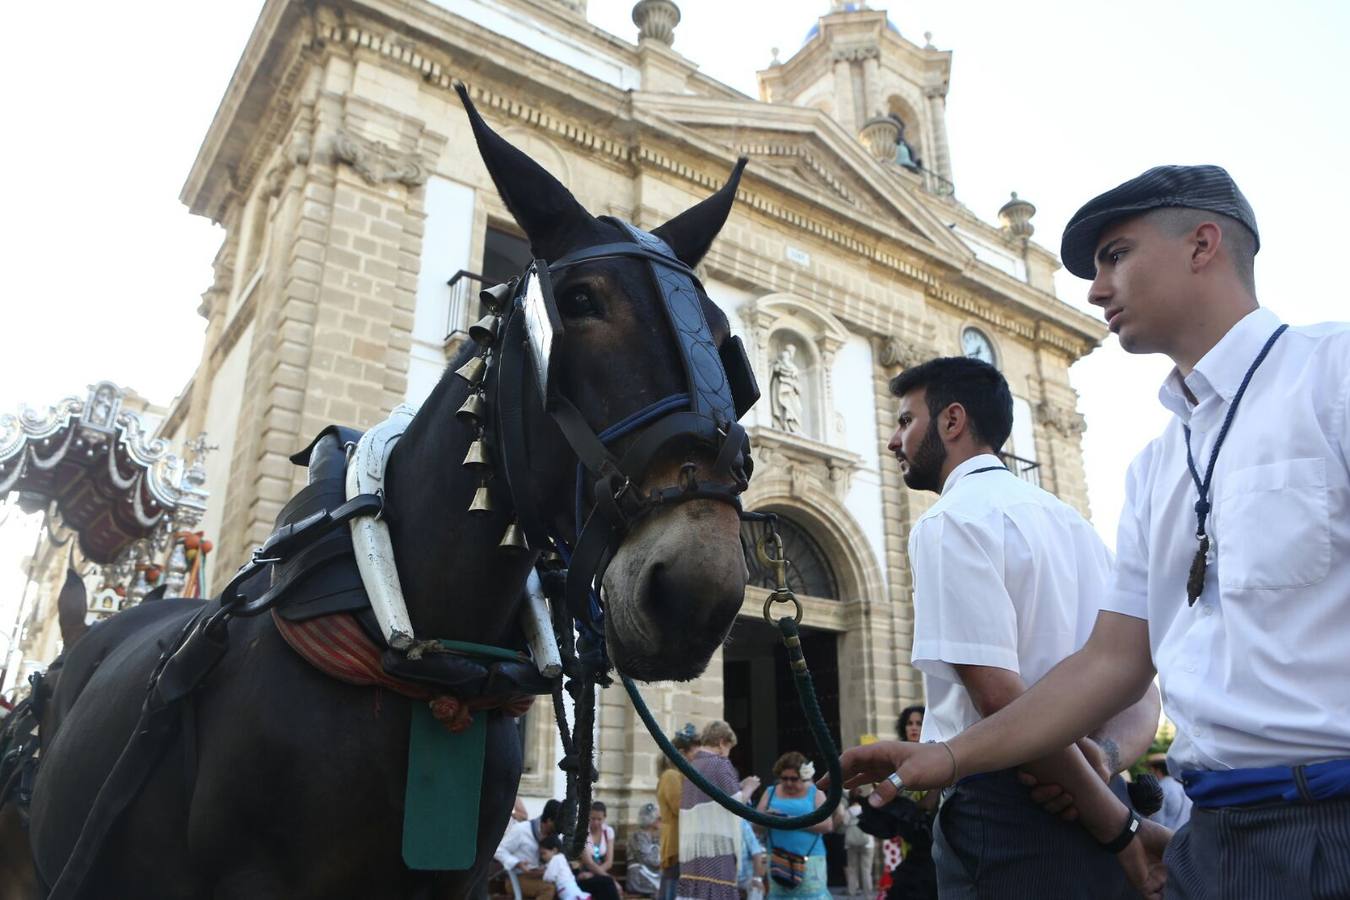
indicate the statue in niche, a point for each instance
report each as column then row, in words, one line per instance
column 786, row 390
column 101, row 414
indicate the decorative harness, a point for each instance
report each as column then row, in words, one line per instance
column 720, row 388
column 518, row 339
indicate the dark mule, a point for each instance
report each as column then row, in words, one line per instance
column 18, row 880
column 284, row 783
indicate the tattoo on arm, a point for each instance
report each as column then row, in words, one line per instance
column 1112, row 751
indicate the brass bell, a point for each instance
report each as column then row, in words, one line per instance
column 514, row 539
column 484, row 331
column 495, row 297
column 482, row 501
column 473, row 410
column 472, row 371
column 477, row 457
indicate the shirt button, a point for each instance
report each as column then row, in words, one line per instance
column 1207, row 610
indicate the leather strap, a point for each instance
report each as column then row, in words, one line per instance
column 1122, row 840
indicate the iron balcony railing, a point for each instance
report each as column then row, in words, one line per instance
column 1024, row 469
column 464, row 287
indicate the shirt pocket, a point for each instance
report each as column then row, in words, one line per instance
column 1275, row 526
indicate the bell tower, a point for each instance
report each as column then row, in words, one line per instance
column 892, row 93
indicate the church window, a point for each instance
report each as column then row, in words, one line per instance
column 809, row 571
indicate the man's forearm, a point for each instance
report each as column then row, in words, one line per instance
column 1100, row 811
column 1127, row 736
column 992, row 689
column 1110, row 673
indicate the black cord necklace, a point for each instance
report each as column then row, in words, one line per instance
column 1195, row 584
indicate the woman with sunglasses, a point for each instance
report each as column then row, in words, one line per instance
column 793, row 794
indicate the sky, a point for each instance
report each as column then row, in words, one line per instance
column 1058, row 100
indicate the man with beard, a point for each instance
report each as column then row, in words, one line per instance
column 1007, row 579
column 1233, row 577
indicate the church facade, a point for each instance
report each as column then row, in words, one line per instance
column 361, row 224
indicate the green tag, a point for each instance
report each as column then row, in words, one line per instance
column 445, row 777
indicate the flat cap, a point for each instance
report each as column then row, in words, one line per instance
column 1192, row 187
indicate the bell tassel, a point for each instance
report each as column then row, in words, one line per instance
column 473, row 410
column 514, row 539
column 477, row 457
column 495, row 297
column 482, row 500
column 472, row 371
column 484, row 331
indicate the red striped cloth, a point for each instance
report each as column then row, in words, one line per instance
column 339, row 647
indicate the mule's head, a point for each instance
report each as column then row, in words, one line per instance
column 673, row 588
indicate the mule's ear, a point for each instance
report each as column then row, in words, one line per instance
column 691, row 233
column 538, row 201
column 72, row 604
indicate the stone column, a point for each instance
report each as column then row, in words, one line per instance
column 871, row 84
column 900, row 507
column 937, row 115
column 843, row 94
column 335, row 314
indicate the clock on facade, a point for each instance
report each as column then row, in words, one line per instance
column 975, row 344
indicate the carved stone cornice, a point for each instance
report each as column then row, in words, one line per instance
column 1064, row 419
column 377, row 162
column 297, row 153
column 855, row 54
column 905, row 352
column 806, row 462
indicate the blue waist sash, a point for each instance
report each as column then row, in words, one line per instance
column 1271, row 784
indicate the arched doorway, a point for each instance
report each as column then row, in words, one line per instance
column 759, row 696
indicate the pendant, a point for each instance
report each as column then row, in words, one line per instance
column 1195, row 584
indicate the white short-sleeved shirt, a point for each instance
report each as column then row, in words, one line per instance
column 1257, row 673
column 1005, row 575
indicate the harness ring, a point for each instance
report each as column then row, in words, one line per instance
column 783, row 597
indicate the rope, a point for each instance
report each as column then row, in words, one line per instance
column 806, row 693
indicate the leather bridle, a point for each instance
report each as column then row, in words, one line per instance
column 720, row 388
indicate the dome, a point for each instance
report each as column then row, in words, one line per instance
column 845, row 7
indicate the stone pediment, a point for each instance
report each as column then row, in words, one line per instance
column 815, row 158
column 805, row 167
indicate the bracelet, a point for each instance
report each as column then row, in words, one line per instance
column 952, row 754
column 1122, row 840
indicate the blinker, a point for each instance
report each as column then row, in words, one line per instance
column 543, row 325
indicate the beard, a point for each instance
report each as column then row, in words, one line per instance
column 925, row 466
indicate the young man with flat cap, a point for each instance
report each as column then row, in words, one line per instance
column 1233, row 557
column 1007, row 578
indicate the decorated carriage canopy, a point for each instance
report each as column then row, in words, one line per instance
column 95, row 465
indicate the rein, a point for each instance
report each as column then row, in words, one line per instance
column 521, row 334
column 806, row 694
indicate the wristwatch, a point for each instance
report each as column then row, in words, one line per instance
column 1122, row 840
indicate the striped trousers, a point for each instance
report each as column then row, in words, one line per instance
column 1297, row 850
column 992, row 843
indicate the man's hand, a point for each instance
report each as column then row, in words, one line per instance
column 1052, row 797
column 1142, row 859
column 921, row 766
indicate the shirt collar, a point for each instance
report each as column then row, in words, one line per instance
column 983, row 461
column 1221, row 370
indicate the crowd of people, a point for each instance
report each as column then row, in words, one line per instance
column 687, row 847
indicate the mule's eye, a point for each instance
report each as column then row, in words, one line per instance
column 577, row 303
